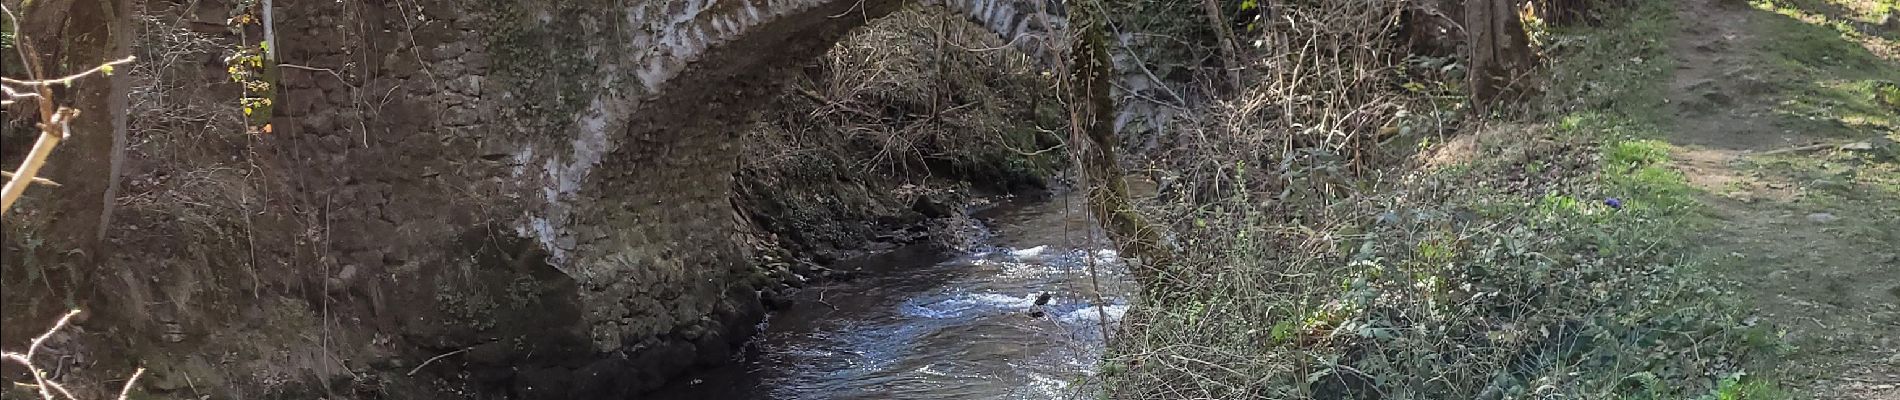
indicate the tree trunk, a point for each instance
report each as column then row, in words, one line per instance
column 1500, row 50
column 74, row 36
column 69, row 37
column 1230, row 59
column 1093, row 143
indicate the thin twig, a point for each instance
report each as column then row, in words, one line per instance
column 1796, row 149
column 425, row 363
column 127, row 390
column 55, row 122
column 38, row 180
column 814, row 96
column 307, row 68
column 1136, row 56
column 68, row 80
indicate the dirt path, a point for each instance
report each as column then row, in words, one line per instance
column 1804, row 202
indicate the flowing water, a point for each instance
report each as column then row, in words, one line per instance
column 921, row 324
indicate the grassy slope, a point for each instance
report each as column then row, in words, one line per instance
column 1498, row 271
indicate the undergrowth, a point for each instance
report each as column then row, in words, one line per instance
column 898, row 122
column 904, row 98
column 1542, row 261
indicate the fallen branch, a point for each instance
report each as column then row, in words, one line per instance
column 425, row 363
column 1797, row 149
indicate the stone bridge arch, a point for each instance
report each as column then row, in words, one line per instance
column 413, row 130
column 635, row 199
column 645, row 181
column 626, row 189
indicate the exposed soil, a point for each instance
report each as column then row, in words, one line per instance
column 1808, row 236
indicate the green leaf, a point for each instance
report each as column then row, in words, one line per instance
column 1283, row 330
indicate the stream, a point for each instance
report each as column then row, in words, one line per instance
column 922, row 324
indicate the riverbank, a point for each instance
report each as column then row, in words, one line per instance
column 1562, row 250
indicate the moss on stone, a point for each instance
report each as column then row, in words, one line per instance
column 540, row 55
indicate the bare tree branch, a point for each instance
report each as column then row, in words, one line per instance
column 68, row 80
column 55, row 122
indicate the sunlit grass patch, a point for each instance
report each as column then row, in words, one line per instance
column 1868, row 171
column 1634, row 161
column 1834, row 79
column 1844, row 107
column 1633, row 154
column 1852, row 22
column 1841, row 83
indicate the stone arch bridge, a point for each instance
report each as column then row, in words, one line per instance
column 543, row 188
column 633, row 201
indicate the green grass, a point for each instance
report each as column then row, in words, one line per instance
column 1506, row 276
column 1741, row 387
column 1809, row 40
column 1611, row 71
column 1830, row 82
column 1661, row 210
column 1841, row 108
column 1833, row 87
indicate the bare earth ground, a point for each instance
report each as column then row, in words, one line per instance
column 1807, row 216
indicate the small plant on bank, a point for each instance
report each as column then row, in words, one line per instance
column 253, row 65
